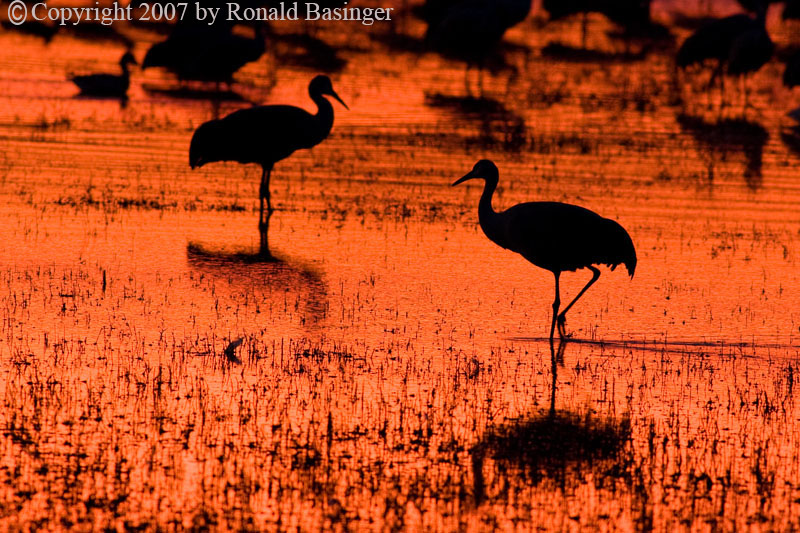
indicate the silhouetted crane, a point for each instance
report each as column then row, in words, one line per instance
column 107, row 84
column 739, row 45
column 470, row 30
column 554, row 236
column 265, row 135
column 201, row 53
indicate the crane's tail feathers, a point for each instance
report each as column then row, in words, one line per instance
column 630, row 265
column 620, row 248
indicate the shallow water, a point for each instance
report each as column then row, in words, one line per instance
column 390, row 347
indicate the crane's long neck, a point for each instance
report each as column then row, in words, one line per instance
column 488, row 217
column 324, row 116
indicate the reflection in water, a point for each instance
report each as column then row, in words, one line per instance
column 192, row 93
column 262, row 268
column 727, row 137
column 257, row 270
column 560, row 446
column 565, row 52
column 500, row 127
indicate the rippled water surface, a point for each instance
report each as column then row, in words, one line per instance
column 395, row 368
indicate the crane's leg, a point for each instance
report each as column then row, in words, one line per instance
column 556, row 305
column 264, row 191
column 556, row 358
column 562, row 318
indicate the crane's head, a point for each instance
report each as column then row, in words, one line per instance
column 322, row 85
column 127, row 59
column 205, row 141
column 483, row 169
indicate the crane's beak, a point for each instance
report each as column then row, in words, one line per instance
column 333, row 93
column 469, row 176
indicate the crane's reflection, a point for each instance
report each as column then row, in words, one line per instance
column 729, row 137
column 280, row 277
column 555, row 446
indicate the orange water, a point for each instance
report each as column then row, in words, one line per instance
column 392, row 337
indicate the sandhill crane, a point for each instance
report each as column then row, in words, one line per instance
column 554, row 236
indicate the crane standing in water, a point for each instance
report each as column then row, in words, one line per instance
column 739, row 44
column 265, row 135
column 470, row 30
column 554, row 236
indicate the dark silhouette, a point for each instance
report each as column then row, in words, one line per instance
column 563, row 447
column 791, row 10
column 791, row 76
column 230, row 351
column 629, row 14
column 261, row 270
column 554, row 236
column 727, row 137
column 34, row 28
column 107, row 84
column 196, row 52
column 500, row 127
column 557, row 445
column 738, row 45
column 470, row 30
column 265, row 135
column 195, row 93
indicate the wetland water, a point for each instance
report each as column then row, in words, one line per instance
column 393, row 358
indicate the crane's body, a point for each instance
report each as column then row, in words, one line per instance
column 470, row 30
column 561, row 237
column 265, row 135
column 197, row 52
column 738, row 44
column 554, row 236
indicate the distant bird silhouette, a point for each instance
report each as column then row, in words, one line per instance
column 107, row 84
column 196, row 52
column 791, row 76
column 554, row 236
column 626, row 13
column 265, row 134
column 470, row 30
column 739, row 45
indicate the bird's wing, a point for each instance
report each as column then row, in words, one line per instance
column 262, row 135
column 565, row 237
